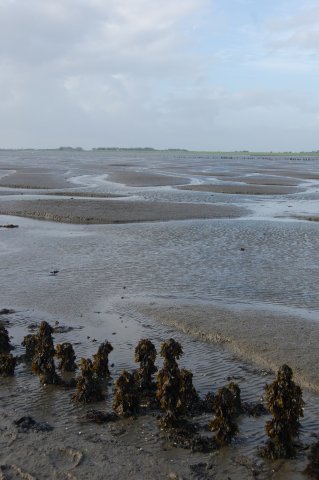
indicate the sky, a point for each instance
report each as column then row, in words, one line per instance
column 196, row 74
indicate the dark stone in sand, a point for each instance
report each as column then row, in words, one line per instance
column 9, row 225
column 25, row 424
column 99, row 417
column 6, row 311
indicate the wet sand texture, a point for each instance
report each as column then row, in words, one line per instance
column 108, row 211
column 140, row 179
column 25, row 179
column 243, row 189
column 266, row 339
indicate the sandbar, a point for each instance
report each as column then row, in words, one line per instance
column 140, row 179
column 115, row 211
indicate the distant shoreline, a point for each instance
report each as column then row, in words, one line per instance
column 244, row 153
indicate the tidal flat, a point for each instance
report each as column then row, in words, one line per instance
column 232, row 276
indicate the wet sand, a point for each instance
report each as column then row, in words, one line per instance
column 141, row 179
column 34, row 180
column 117, row 211
column 243, row 189
column 263, row 338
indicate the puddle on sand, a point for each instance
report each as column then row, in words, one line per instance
column 212, row 366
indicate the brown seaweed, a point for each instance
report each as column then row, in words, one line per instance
column 30, row 343
column 101, row 360
column 5, row 345
column 188, row 396
column 126, row 397
column 145, row 354
column 237, row 405
column 285, row 403
column 312, row 468
column 88, row 388
column 43, row 361
column 168, row 383
column 65, row 353
column 223, row 424
column 7, row 364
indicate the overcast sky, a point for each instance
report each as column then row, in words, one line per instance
column 197, row 74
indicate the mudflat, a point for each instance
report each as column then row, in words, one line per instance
column 115, row 211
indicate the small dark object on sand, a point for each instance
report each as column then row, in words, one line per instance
column 25, row 424
column 145, row 354
column 168, row 383
column 6, row 311
column 186, row 436
column 30, row 343
column 5, row 345
column 88, row 388
column 312, row 468
column 285, row 403
column 126, row 398
column 224, row 406
column 9, row 225
column 99, row 417
column 43, row 361
column 101, row 360
column 65, row 353
column 54, row 272
column 7, row 364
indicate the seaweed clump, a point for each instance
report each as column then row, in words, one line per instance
column 101, row 360
column 126, row 397
column 43, row 361
column 30, row 343
column 5, row 345
column 188, row 397
column 225, row 406
column 145, row 354
column 168, row 383
column 312, row 468
column 88, row 388
column 285, row 403
column 65, row 353
column 7, row 364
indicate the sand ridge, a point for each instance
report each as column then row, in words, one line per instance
column 115, row 211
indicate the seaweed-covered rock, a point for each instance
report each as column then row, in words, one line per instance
column 43, row 361
column 7, row 364
column 237, row 405
column 312, row 468
column 30, row 343
column 168, row 383
column 206, row 404
column 285, row 403
column 65, row 353
column 126, row 398
column 223, row 424
column 88, row 388
column 188, row 397
column 145, row 354
column 171, row 351
column 101, row 360
column 5, row 345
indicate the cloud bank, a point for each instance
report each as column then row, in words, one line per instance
column 195, row 74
